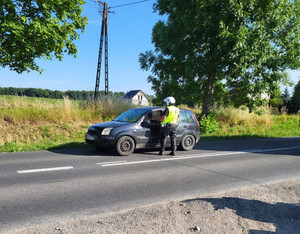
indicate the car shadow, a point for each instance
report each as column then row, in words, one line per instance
column 285, row 216
column 80, row 149
column 83, row 149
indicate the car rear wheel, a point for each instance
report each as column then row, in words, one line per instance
column 125, row 146
column 188, row 142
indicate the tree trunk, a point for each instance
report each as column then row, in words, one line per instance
column 208, row 95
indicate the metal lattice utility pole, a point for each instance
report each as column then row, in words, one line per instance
column 105, row 36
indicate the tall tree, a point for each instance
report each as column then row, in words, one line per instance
column 31, row 29
column 202, row 45
column 286, row 97
column 294, row 104
column 276, row 100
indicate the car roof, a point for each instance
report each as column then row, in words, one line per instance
column 149, row 107
column 157, row 108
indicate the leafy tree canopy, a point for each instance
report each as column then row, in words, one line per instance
column 203, row 46
column 31, row 29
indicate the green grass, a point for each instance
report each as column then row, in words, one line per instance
column 45, row 137
column 30, row 124
column 274, row 126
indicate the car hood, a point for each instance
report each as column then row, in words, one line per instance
column 111, row 124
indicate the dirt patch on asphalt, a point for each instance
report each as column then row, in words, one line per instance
column 273, row 208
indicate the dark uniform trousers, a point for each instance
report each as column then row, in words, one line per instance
column 168, row 130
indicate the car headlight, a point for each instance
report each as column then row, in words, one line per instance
column 106, row 131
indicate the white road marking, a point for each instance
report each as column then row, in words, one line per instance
column 45, row 170
column 277, row 149
column 199, row 156
column 104, row 163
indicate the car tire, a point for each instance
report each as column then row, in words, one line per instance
column 125, row 146
column 188, row 142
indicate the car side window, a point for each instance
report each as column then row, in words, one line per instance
column 156, row 115
column 190, row 117
column 148, row 117
column 182, row 117
column 153, row 117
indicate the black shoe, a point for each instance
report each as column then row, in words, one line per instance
column 161, row 153
column 172, row 153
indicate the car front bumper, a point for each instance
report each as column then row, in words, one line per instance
column 100, row 141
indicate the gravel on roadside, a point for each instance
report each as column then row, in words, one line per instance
column 272, row 208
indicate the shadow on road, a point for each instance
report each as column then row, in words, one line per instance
column 251, row 144
column 284, row 216
column 82, row 149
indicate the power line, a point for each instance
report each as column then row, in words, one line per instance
column 132, row 3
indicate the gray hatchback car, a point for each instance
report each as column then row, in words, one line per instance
column 140, row 128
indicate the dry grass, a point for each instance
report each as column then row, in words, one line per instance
column 241, row 117
column 30, row 121
column 23, row 110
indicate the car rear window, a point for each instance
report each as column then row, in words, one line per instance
column 182, row 117
column 186, row 116
column 190, row 116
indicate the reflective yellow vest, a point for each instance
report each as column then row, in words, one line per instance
column 173, row 116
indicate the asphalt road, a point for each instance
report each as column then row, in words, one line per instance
column 48, row 186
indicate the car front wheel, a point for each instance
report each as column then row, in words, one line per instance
column 188, row 142
column 125, row 146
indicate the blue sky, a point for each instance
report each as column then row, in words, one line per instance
column 129, row 34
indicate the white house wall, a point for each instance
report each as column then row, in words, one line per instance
column 140, row 99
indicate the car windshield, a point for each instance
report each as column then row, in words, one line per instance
column 131, row 116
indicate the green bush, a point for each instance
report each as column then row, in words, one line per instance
column 209, row 124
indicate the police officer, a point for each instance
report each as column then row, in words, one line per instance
column 169, row 123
